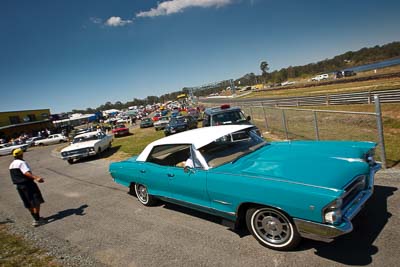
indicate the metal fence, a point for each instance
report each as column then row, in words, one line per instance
column 295, row 123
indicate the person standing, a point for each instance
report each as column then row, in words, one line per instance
column 24, row 180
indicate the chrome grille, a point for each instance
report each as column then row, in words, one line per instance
column 359, row 184
column 74, row 152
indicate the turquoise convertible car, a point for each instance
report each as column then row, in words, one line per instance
column 282, row 191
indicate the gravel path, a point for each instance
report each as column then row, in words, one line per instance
column 61, row 250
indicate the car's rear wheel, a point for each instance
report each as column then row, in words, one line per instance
column 143, row 196
column 272, row 228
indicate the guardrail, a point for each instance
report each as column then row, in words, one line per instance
column 365, row 97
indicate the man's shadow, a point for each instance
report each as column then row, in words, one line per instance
column 65, row 213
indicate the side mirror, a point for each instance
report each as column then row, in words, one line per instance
column 248, row 118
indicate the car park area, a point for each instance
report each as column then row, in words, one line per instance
column 90, row 213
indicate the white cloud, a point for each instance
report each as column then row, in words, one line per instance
column 176, row 6
column 117, row 22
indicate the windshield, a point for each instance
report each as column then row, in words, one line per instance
column 84, row 139
column 177, row 120
column 230, row 148
column 229, row 117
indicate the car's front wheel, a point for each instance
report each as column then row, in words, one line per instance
column 272, row 228
column 143, row 196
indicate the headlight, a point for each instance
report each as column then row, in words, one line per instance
column 333, row 212
column 369, row 157
column 63, row 154
column 91, row 149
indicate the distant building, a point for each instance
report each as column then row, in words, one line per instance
column 14, row 123
column 76, row 120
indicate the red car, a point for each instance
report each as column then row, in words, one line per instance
column 120, row 130
column 156, row 117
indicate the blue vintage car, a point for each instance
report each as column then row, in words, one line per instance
column 180, row 124
column 282, row 191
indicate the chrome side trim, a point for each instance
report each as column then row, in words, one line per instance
column 196, row 206
column 278, row 180
column 222, row 202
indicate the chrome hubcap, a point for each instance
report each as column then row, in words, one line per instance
column 142, row 193
column 271, row 226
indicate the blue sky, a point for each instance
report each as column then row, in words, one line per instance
column 75, row 54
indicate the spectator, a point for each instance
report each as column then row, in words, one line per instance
column 22, row 177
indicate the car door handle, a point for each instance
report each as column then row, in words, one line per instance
column 142, row 171
column 171, row 175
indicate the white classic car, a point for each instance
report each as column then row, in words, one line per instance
column 85, row 145
column 6, row 149
column 161, row 123
column 52, row 139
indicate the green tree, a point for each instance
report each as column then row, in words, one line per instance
column 264, row 70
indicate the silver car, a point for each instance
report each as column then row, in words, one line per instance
column 7, row 149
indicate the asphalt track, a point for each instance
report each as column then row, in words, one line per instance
column 91, row 213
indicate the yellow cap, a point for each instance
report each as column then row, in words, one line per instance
column 18, row 152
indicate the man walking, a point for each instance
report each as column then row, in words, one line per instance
column 22, row 177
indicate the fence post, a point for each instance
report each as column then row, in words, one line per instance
column 369, row 97
column 380, row 129
column 265, row 117
column 316, row 126
column 284, row 124
column 251, row 113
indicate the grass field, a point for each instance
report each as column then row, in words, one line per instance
column 332, row 126
column 15, row 251
column 390, row 83
column 134, row 143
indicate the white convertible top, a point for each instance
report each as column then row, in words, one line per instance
column 197, row 137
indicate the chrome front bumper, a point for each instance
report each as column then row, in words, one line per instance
column 79, row 155
column 327, row 232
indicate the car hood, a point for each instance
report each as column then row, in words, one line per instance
column 80, row 145
column 331, row 164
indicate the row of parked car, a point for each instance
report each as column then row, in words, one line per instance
column 8, row 148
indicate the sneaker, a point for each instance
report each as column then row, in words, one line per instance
column 40, row 222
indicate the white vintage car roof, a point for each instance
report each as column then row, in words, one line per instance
column 197, row 137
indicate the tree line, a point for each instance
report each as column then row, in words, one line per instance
column 340, row 62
